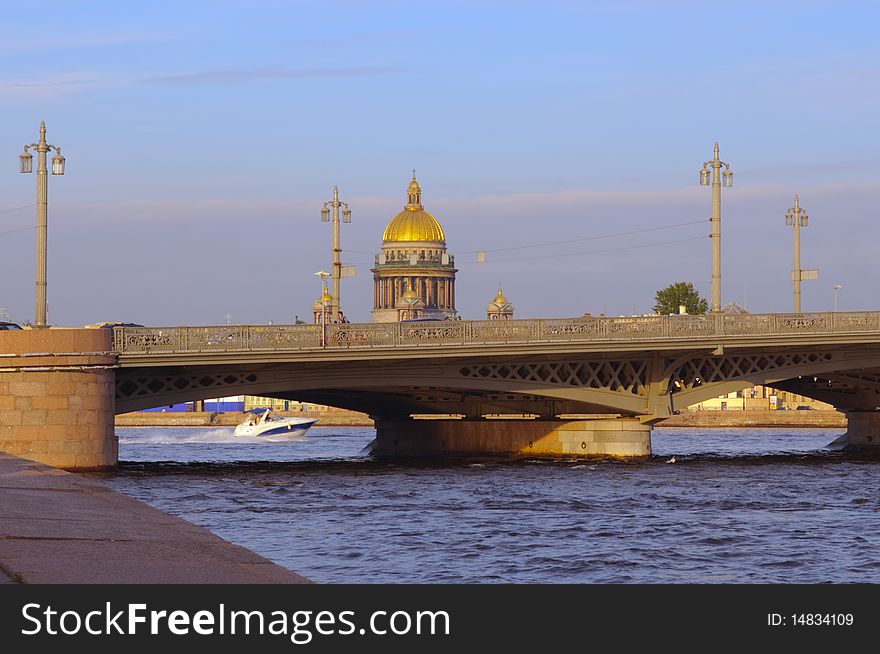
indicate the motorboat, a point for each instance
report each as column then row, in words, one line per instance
column 263, row 422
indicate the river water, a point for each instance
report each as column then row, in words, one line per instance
column 736, row 506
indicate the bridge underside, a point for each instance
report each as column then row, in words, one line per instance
column 637, row 388
column 649, row 387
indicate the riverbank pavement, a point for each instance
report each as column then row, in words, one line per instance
column 61, row 528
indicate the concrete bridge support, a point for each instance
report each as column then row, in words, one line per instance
column 862, row 429
column 57, row 397
column 593, row 438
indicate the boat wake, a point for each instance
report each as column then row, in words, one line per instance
column 221, row 436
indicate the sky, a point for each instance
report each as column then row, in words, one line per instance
column 562, row 138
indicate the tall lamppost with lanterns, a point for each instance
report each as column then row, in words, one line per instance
column 837, row 287
column 338, row 271
column 26, row 161
column 717, row 175
column 797, row 217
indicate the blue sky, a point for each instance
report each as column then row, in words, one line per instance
column 203, row 137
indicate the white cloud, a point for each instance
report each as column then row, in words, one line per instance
column 49, row 85
column 242, row 75
column 23, row 42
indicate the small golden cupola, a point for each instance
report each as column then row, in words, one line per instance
column 499, row 308
column 323, row 304
column 414, row 259
column 410, row 305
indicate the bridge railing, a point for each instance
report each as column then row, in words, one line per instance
column 145, row 340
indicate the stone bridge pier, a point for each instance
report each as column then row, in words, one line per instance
column 57, row 397
column 596, row 437
column 862, row 429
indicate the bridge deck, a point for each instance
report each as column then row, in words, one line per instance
column 456, row 338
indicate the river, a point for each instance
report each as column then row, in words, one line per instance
column 735, row 506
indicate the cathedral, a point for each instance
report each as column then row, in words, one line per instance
column 414, row 275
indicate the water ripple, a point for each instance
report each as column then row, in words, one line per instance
column 739, row 506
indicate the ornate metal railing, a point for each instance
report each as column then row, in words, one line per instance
column 251, row 338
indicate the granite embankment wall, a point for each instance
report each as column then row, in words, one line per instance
column 56, row 396
column 340, row 418
column 756, row 418
column 231, row 418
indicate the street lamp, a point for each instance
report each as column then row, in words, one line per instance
column 798, row 218
column 26, row 163
column 715, row 220
column 339, row 271
column 836, row 287
column 324, row 304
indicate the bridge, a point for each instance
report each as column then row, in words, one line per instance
column 590, row 386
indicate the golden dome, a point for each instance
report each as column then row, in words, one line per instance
column 324, row 301
column 500, row 302
column 413, row 223
column 410, row 299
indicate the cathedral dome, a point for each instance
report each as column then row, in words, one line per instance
column 414, row 224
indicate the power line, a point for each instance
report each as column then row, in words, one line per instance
column 587, row 238
column 578, row 254
column 27, row 206
column 573, row 254
column 573, row 240
column 22, row 229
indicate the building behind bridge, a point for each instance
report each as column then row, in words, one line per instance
column 414, row 275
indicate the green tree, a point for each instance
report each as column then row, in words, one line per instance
column 667, row 300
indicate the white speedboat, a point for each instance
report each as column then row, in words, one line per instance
column 262, row 422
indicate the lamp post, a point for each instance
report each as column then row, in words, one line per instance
column 715, row 220
column 798, row 218
column 26, row 161
column 324, row 304
column 836, row 288
column 337, row 268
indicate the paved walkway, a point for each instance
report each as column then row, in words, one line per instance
column 60, row 528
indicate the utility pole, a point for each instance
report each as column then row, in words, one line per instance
column 798, row 218
column 337, row 271
column 715, row 220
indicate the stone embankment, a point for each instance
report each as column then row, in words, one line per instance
column 61, row 528
column 56, row 396
column 337, row 418
column 756, row 418
column 341, row 418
